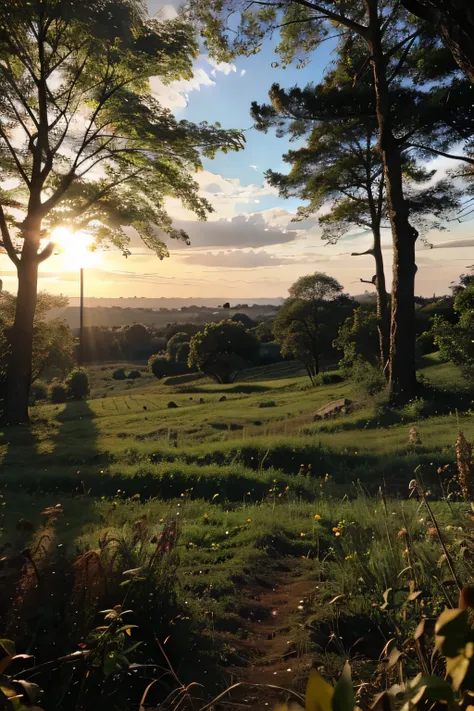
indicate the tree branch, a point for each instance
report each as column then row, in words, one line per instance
column 437, row 152
column 7, row 242
column 15, row 157
column 341, row 19
column 362, row 254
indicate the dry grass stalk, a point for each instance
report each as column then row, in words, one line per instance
column 465, row 466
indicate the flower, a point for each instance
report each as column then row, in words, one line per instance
column 431, row 531
column 317, row 517
column 336, row 528
column 249, row 520
column 348, row 557
column 402, row 532
column 338, row 533
column 302, row 534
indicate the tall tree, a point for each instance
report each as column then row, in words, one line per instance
column 307, row 323
column 340, row 163
column 387, row 35
column 84, row 142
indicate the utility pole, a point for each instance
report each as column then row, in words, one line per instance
column 81, row 321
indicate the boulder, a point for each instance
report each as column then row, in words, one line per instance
column 333, row 409
column 172, row 405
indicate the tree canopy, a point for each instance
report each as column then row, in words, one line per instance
column 84, row 144
column 222, row 350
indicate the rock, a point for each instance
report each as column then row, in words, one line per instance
column 222, row 399
column 145, row 407
column 172, row 405
column 201, row 400
column 332, row 409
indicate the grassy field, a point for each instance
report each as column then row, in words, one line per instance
column 288, row 531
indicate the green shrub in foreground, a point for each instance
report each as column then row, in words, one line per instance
column 58, row 393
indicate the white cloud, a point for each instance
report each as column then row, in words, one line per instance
column 175, row 95
column 237, row 259
column 243, row 72
column 224, row 67
column 254, row 167
column 161, row 12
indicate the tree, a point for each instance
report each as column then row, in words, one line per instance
column 340, row 163
column 386, row 34
column 53, row 344
column 315, row 288
column 456, row 341
column 245, row 320
column 307, row 322
column 455, row 21
column 85, row 143
column 222, row 350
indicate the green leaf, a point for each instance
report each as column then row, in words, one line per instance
column 343, row 698
column 8, row 646
column 319, row 693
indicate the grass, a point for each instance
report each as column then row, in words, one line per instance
column 259, row 490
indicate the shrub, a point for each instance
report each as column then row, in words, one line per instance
column 39, row 391
column 161, row 366
column 134, row 374
column 58, row 393
column 368, row 377
column 414, row 409
column 119, row 374
column 267, row 403
column 78, row 386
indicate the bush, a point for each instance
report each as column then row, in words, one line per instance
column 119, row 374
column 134, row 374
column 414, row 410
column 58, row 393
column 39, row 391
column 267, row 403
column 329, row 378
column 78, row 386
column 161, row 366
column 370, row 379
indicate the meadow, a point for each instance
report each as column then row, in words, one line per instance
column 258, row 540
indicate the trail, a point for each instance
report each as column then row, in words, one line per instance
column 278, row 643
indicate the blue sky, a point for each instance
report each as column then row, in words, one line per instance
column 249, row 246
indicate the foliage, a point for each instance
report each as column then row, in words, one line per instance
column 161, row 366
column 307, row 322
column 315, row 287
column 16, row 694
column 39, row 391
column 53, row 343
column 58, row 393
column 133, row 374
column 245, row 320
column 369, row 378
column 456, row 341
column 358, row 338
column 222, row 350
column 178, row 347
column 77, row 384
column 84, row 143
column 264, row 331
column 119, row 374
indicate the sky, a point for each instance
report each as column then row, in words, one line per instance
column 249, row 246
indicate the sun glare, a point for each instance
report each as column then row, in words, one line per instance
column 76, row 248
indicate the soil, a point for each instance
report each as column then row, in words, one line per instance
column 277, row 642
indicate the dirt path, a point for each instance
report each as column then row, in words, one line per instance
column 278, row 643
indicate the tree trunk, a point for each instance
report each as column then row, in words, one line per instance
column 455, row 22
column 402, row 369
column 382, row 301
column 19, row 366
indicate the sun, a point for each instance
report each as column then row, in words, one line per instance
column 76, row 248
